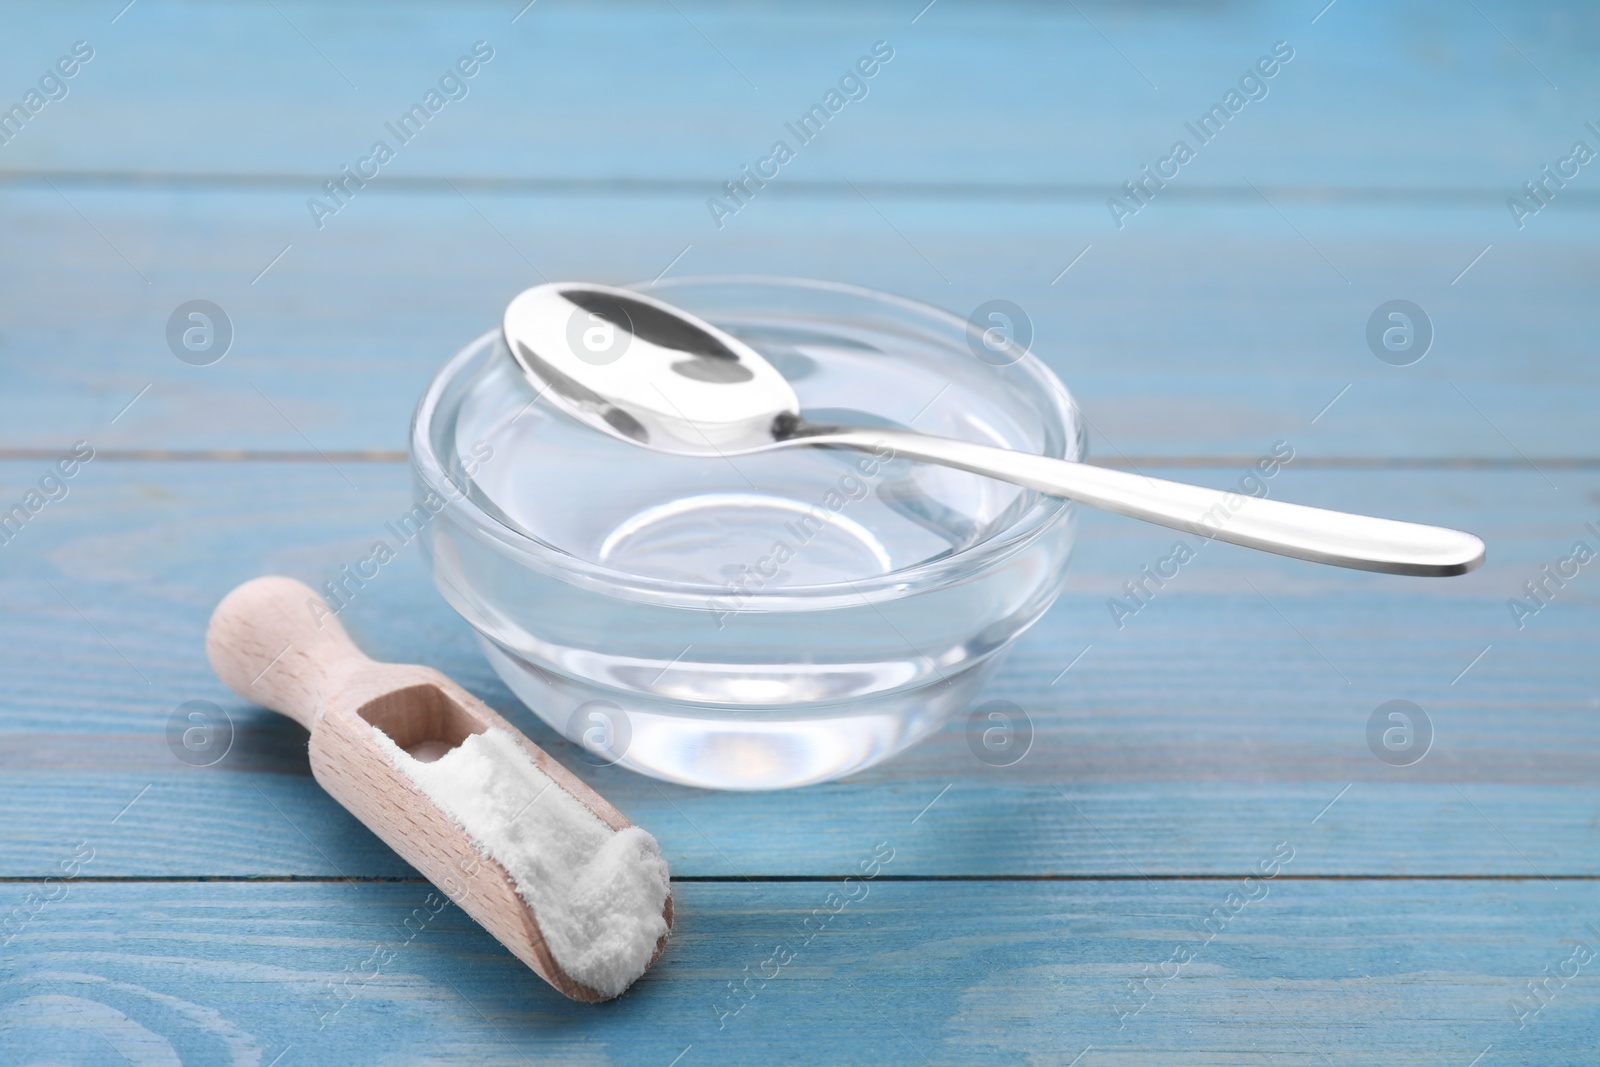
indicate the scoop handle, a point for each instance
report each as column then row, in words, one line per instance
column 274, row 641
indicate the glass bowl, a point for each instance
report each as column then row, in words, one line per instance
column 758, row 621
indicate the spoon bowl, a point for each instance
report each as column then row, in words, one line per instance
column 639, row 369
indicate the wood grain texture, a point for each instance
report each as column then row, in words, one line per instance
column 1401, row 95
column 1219, row 316
column 1171, row 747
column 1170, row 755
column 1358, row 972
column 1213, row 330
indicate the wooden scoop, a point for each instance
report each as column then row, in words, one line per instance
column 273, row 641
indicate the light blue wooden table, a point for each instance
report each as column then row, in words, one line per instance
column 1087, row 905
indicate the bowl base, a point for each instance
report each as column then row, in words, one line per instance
column 722, row 748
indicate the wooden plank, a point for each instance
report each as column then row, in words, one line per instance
column 1172, row 754
column 1397, row 95
column 1214, row 331
column 1173, row 746
column 1312, row 972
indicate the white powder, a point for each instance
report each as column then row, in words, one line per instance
column 596, row 893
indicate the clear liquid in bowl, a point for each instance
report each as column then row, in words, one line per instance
column 756, row 621
column 797, row 517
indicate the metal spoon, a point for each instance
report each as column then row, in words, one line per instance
column 644, row 371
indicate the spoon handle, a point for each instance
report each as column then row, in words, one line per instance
column 1315, row 534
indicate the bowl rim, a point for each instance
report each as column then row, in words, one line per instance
column 1045, row 512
